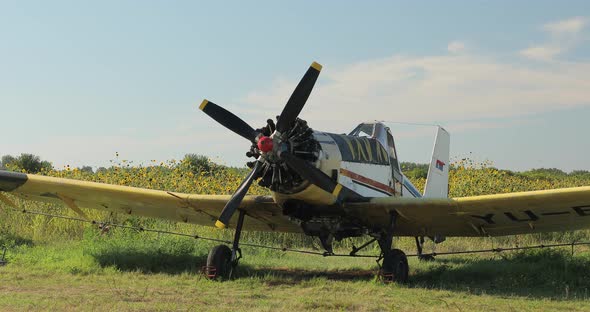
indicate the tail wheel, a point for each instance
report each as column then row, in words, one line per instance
column 219, row 262
column 395, row 266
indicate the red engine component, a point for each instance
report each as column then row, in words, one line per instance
column 265, row 144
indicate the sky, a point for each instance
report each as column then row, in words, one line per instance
column 81, row 81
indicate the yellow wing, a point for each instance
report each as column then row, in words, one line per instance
column 495, row 215
column 490, row 215
column 264, row 214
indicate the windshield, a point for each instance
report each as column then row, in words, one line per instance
column 363, row 130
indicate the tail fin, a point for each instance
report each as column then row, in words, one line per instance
column 437, row 182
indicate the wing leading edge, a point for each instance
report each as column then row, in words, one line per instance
column 490, row 215
column 264, row 214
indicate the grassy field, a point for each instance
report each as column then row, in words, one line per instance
column 146, row 272
column 57, row 264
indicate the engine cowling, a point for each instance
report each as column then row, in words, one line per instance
column 275, row 174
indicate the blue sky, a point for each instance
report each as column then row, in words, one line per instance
column 80, row 81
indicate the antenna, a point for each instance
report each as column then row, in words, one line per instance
column 411, row 123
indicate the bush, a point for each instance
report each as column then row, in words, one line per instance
column 28, row 163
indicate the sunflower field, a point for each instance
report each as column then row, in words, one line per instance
column 467, row 178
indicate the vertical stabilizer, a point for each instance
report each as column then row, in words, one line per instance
column 437, row 182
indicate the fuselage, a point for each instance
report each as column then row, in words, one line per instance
column 365, row 161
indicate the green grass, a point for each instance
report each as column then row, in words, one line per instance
column 125, row 270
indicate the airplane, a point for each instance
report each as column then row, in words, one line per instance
column 326, row 185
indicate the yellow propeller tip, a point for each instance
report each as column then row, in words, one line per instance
column 316, row 66
column 203, row 104
column 219, row 225
column 337, row 190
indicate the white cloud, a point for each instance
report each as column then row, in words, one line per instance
column 565, row 35
column 541, row 53
column 568, row 26
column 456, row 46
column 438, row 89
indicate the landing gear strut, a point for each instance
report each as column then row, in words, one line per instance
column 222, row 260
column 419, row 249
column 395, row 263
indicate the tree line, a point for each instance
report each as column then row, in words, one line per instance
column 27, row 162
column 30, row 163
column 198, row 163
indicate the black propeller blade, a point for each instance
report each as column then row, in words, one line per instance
column 298, row 98
column 236, row 199
column 319, row 178
column 229, row 120
column 311, row 173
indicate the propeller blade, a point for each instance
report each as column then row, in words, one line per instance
column 228, row 120
column 320, row 179
column 312, row 174
column 298, row 98
column 236, row 199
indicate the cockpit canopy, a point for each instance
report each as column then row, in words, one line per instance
column 382, row 134
column 364, row 130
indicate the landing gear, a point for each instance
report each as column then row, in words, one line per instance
column 218, row 262
column 326, row 240
column 395, row 267
column 420, row 247
column 395, row 263
column 222, row 260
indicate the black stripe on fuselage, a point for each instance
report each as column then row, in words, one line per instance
column 9, row 180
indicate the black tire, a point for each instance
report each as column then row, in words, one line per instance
column 395, row 266
column 219, row 262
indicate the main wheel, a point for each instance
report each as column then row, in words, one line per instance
column 395, row 266
column 218, row 262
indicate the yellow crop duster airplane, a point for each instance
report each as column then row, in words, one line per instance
column 328, row 185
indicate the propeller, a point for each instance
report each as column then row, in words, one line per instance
column 268, row 148
column 229, row 120
column 236, row 199
column 298, row 98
